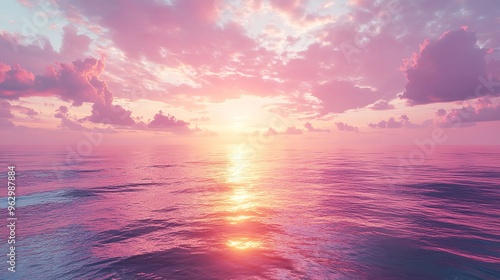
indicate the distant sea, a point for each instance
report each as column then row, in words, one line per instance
column 177, row 212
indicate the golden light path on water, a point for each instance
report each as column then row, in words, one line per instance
column 242, row 202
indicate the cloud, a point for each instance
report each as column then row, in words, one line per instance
column 310, row 128
column 183, row 32
column 340, row 96
column 169, row 123
column 6, row 110
column 482, row 110
column 200, row 119
column 77, row 82
column 271, row 132
column 291, row 130
column 63, row 113
column 5, row 114
column 36, row 55
column 24, row 110
column 110, row 114
column 403, row 121
column 345, row 127
column 382, row 105
column 15, row 82
column 441, row 113
column 445, row 70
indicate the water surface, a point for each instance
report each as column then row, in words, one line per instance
column 177, row 212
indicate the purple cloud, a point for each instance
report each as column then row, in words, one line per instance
column 448, row 69
column 345, row 127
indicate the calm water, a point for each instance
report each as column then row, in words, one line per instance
column 181, row 213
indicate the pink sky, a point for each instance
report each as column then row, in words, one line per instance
column 351, row 71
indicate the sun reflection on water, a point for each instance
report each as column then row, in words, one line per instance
column 243, row 243
column 242, row 202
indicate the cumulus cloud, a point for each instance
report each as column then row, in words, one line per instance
column 67, row 121
column 310, row 128
column 345, row 127
column 15, row 82
column 482, row 110
column 448, row 69
column 110, row 114
column 77, row 82
column 169, row 123
column 402, row 121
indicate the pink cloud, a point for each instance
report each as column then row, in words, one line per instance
column 107, row 113
column 77, row 82
column 30, row 112
column 289, row 131
column 74, row 45
column 482, row 110
column 66, row 121
column 5, row 112
column 310, row 128
column 345, row 127
column 169, row 123
column 15, row 81
column 291, row 8
column 187, row 30
column 445, row 70
column 382, row 105
column 37, row 55
column 340, row 96
column 191, row 33
column 403, row 121
column 292, row 131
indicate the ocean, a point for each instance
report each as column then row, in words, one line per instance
column 178, row 212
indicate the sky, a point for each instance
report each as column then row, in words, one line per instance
column 347, row 71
